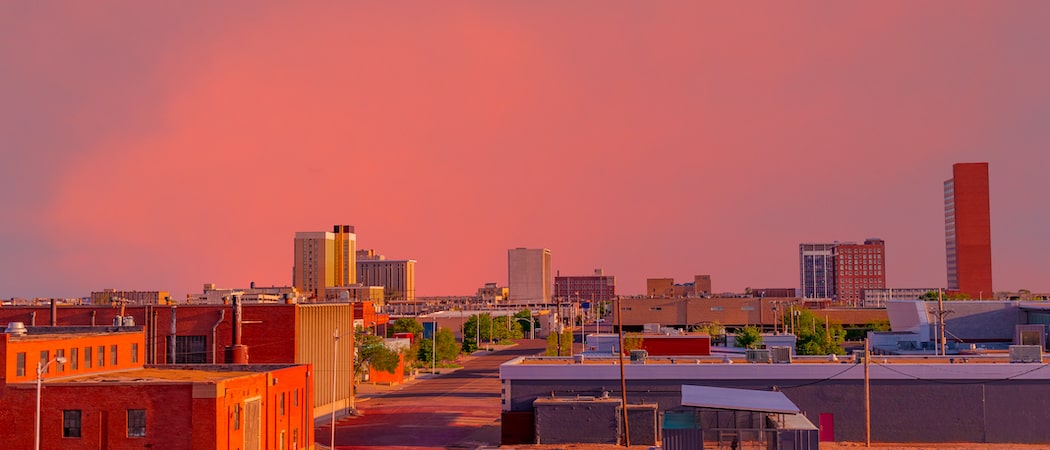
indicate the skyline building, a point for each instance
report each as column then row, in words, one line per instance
column 967, row 230
column 324, row 260
column 816, row 264
column 597, row 287
column 859, row 267
column 397, row 277
column 529, row 276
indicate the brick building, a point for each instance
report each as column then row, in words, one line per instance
column 597, row 287
column 273, row 333
column 103, row 396
column 967, row 230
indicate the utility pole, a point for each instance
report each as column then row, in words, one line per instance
column 867, row 395
column 940, row 318
column 623, row 379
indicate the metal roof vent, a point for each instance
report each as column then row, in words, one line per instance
column 16, row 328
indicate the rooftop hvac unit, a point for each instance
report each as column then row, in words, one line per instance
column 756, row 355
column 781, row 355
column 16, row 328
column 651, row 328
column 1026, row 354
column 129, row 321
column 639, row 356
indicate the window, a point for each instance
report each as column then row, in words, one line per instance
column 136, row 423
column 87, row 357
column 237, row 416
column 190, row 349
column 71, row 423
column 113, row 354
column 102, row 356
column 295, row 399
column 21, row 364
column 135, row 352
column 280, row 404
column 60, row 353
column 45, row 356
column 74, row 358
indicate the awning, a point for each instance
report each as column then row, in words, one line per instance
column 737, row 399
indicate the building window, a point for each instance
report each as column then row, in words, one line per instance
column 237, row 416
column 87, row 357
column 136, row 423
column 135, row 352
column 113, row 354
column 102, row 356
column 280, row 403
column 74, row 358
column 295, row 399
column 71, row 423
column 190, row 349
column 45, row 356
column 21, row 364
column 60, row 353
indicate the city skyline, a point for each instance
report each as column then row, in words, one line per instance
column 151, row 147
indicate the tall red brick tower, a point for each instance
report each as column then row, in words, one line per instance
column 967, row 230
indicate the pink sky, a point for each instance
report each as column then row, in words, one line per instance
column 156, row 148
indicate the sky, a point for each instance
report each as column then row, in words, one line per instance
column 161, row 145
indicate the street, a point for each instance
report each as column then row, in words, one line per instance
column 458, row 409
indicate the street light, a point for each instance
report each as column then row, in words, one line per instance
column 335, row 382
column 40, row 368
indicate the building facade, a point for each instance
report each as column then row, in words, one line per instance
column 397, row 277
column 111, row 296
column 529, row 275
column 967, row 230
column 877, row 298
column 103, row 396
column 597, row 287
column 324, row 260
column 859, row 267
column 816, row 267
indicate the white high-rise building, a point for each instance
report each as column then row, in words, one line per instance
column 530, row 279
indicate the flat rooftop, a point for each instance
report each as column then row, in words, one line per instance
column 173, row 374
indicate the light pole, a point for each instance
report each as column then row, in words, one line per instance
column 40, row 368
column 434, row 348
column 532, row 327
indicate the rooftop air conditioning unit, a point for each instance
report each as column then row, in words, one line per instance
column 781, row 355
column 651, row 328
column 1026, row 354
column 756, row 355
column 639, row 356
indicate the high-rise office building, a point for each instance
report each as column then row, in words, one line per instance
column 841, row 271
column 816, row 264
column 529, row 276
column 397, row 277
column 324, row 260
column 967, row 230
column 598, row 287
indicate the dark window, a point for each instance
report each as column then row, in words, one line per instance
column 135, row 352
column 136, row 422
column 74, row 360
column 280, row 403
column 190, row 349
column 60, row 353
column 237, row 416
column 87, row 357
column 21, row 364
column 45, row 356
column 71, row 423
column 113, row 354
column 295, row 399
column 102, row 356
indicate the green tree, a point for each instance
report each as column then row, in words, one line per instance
column 372, row 352
column 562, row 341
column 816, row 337
column 748, row 337
column 447, row 350
column 526, row 325
column 711, row 328
column 408, row 325
column 632, row 341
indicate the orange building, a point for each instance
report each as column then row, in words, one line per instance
column 103, row 396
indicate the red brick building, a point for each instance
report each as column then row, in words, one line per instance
column 103, row 396
column 967, row 230
column 273, row 334
column 859, row 267
column 597, row 287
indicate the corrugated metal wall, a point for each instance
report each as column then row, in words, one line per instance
column 316, row 345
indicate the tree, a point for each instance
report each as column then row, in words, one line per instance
column 408, row 325
column 711, row 328
column 562, row 342
column 526, row 325
column 748, row 337
column 817, row 337
column 372, row 352
column 632, row 341
column 447, row 350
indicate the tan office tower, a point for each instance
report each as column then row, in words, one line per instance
column 529, row 276
column 324, row 260
column 397, row 277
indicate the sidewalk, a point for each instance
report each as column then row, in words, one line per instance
column 367, row 391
